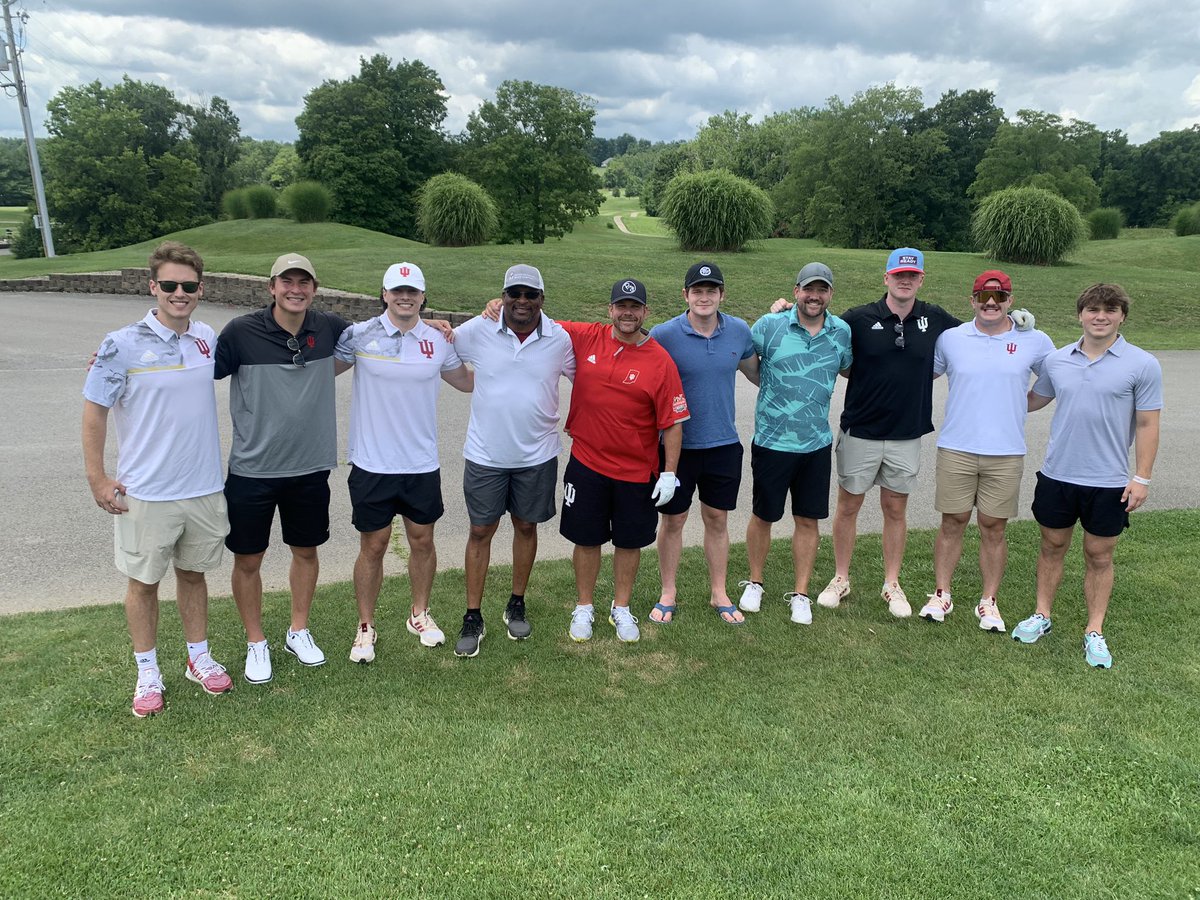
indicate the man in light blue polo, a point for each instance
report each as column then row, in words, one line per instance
column 708, row 348
column 799, row 355
column 1109, row 395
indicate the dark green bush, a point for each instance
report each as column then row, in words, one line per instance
column 308, row 201
column 1027, row 225
column 1187, row 220
column 27, row 242
column 1105, row 224
column 262, row 201
column 454, row 211
column 234, row 204
column 716, row 211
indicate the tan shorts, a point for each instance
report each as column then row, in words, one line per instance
column 156, row 533
column 862, row 463
column 966, row 480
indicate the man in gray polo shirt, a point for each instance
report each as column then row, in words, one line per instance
column 1109, row 396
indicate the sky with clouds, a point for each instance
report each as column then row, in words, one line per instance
column 655, row 68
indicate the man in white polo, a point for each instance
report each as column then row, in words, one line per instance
column 399, row 363
column 513, row 441
column 981, row 445
column 156, row 375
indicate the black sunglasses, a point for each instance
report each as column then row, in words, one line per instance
column 516, row 294
column 189, row 287
column 294, row 346
column 899, row 326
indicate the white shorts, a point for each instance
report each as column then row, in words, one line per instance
column 153, row 534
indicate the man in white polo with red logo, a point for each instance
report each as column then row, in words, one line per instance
column 399, row 364
column 156, row 376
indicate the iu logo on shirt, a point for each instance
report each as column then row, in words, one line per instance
column 202, row 346
column 426, row 347
column 1011, row 348
column 631, row 376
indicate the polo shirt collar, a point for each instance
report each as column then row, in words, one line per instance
column 974, row 329
column 794, row 320
column 1117, row 348
column 503, row 328
column 162, row 330
column 688, row 329
column 885, row 311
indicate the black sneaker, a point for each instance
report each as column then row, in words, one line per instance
column 514, row 618
column 470, row 637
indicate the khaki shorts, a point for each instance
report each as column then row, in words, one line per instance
column 862, row 463
column 966, row 480
column 156, row 533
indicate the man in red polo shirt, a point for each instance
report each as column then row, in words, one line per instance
column 627, row 391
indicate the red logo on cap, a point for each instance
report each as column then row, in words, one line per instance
column 404, row 270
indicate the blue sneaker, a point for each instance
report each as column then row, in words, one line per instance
column 1095, row 651
column 1029, row 630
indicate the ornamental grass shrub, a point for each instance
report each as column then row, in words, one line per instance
column 234, row 204
column 1105, row 224
column 307, row 201
column 1027, row 225
column 454, row 211
column 1187, row 220
column 262, row 201
column 716, row 211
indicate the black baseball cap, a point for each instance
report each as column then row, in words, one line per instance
column 629, row 289
column 703, row 273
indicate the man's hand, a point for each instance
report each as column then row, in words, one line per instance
column 665, row 489
column 781, row 305
column 444, row 327
column 109, row 495
column 1135, row 495
column 492, row 310
column 1023, row 319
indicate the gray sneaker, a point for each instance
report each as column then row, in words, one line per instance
column 514, row 618
column 471, row 636
column 626, row 624
column 581, row 623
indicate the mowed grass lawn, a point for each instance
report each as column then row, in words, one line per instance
column 859, row 757
column 1161, row 271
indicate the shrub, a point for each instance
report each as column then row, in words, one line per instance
column 1027, row 225
column 234, row 205
column 716, row 211
column 1187, row 220
column 262, row 201
column 454, row 211
column 27, row 242
column 308, row 201
column 1105, row 224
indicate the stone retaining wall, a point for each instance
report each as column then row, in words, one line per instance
column 235, row 290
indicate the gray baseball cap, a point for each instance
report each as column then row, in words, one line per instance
column 523, row 276
column 814, row 272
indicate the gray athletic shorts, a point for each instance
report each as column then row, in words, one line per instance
column 862, row 462
column 526, row 493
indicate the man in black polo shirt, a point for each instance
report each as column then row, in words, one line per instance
column 281, row 401
column 889, row 406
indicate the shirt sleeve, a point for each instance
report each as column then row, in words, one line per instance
column 669, row 401
column 105, row 382
column 1147, row 391
column 757, row 335
column 1045, row 348
column 226, row 362
column 749, row 349
column 939, row 355
column 1044, row 387
column 452, row 360
column 344, row 351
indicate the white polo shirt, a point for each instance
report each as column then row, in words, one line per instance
column 514, row 409
column 989, row 377
column 393, row 403
column 159, row 386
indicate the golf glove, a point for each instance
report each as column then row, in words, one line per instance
column 665, row 489
column 1023, row 319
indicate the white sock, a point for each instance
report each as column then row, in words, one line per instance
column 197, row 649
column 146, row 660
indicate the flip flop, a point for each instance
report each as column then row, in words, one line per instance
column 723, row 611
column 663, row 610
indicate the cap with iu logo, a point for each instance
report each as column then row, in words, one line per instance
column 403, row 275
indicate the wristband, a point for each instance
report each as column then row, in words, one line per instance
column 1138, row 479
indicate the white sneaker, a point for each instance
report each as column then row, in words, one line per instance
column 258, row 663
column 302, row 646
column 896, row 600
column 835, row 592
column 801, row 607
column 422, row 625
column 939, row 606
column 581, row 623
column 751, row 597
column 989, row 616
column 626, row 624
column 363, row 650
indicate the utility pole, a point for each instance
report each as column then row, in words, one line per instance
column 35, row 166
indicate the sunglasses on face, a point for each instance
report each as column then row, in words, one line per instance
column 516, row 294
column 294, row 345
column 996, row 297
column 189, row 287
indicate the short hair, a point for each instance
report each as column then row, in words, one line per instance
column 1105, row 295
column 175, row 252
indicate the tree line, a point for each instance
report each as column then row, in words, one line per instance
column 129, row 162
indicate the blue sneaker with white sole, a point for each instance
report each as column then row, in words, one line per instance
column 1029, row 630
column 1095, row 651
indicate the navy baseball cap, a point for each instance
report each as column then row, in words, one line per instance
column 629, row 289
column 703, row 273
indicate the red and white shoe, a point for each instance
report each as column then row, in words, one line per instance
column 148, row 695
column 209, row 674
column 422, row 625
column 939, row 606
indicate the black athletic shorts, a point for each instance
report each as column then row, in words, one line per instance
column 804, row 475
column 597, row 509
column 378, row 499
column 302, row 501
column 716, row 471
column 1060, row 504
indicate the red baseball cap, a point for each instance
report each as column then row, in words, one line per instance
column 992, row 275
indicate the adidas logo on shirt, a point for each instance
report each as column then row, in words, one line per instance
column 877, row 327
column 592, row 358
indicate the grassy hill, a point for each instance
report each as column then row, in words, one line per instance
column 1161, row 271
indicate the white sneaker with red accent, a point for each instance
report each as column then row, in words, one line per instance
column 422, row 625
column 835, row 592
column 896, row 599
column 939, row 606
column 989, row 615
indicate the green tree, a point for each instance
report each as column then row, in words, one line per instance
column 528, row 148
column 373, row 140
column 284, row 169
column 1157, row 178
column 672, row 160
column 119, row 168
column 1040, row 150
column 214, row 131
column 16, row 187
column 253, row 158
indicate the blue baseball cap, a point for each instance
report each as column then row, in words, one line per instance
column 906, row 259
